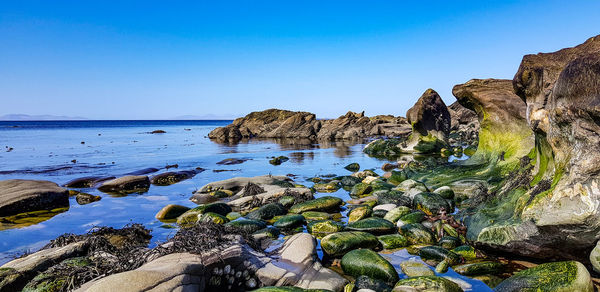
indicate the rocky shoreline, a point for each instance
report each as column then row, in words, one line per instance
column 530, row 188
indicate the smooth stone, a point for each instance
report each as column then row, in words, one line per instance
column 466, row 251
column 479, row 268
column 393, row 197
column 372, row 225
column 213, row 217
column 416, row 233
column 349, row 181
column 233, row 215
column 289, row 221
column 126, row 185
column 395, row 214
column 438, row 254
column 368, row 263
column 20, row 196
column 386, row 207
column 431, row 203
column 323, row 227
column 315, row 215
column 392, row 241
column 84, row 198
column 321, row 204
column 445, row 192
column 353, row 167
column 449, row 242
column 269, row 232
column 368, row 283
column 379, row 213
column 361, row 189
column 410, row 218
column 171, row 177
column 359, row 213
column 171, row 211
column 415, row 269
column 411, row 184
column 219, row 208
column 86, row 182
column 247, row 225
column 556, row 276
column 267, row 212
column 339, row 243
column 329, row 187
column 427, row 283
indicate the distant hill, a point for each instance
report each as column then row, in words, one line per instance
column 22, row 117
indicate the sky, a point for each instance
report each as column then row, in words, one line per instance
column 166, row 59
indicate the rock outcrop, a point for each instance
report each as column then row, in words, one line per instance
column 430, row 121
column 20, row 196
column 464, row 126
column 275, row 124
column 501, row 114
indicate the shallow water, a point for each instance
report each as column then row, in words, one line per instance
column 45, row 150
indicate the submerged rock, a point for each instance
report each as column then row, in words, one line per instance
column 338, row 244
column 324, row 227
column 126, row 185
column 365, row 262
column 86, row 182
column 557, row 276
column 171, row 177
column 413, row 268
column 372, row 225
column 20, row 196
column 427, row 283
column 321, row 204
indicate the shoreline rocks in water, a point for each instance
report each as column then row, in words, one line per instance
column 20, row 196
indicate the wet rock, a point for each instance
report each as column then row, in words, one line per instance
column 359, row 213
column 278, row 160
column 395, row 214
column 269, row 232
column 247, row 225
column 20, row 196
column 84, row 199
column 353, row 167
column 231, row 161
column 326, row 203
column 126, row 185
column 464, row 125
column 431, row 203
column 338, row 244
column 415, row 269
column 393, row 197
column 86, row 182
column 329, row 187
column 213, row 217
column 595, row 258
column 557, row 276
column 372, row 225
column 315, row 215
column 416, row 233
column 392, row 241
column 365, row 262
column 361, row 189
column 412, row 217
column 427, row 283
column 324, row 227
column 384, row 207
column 143, row 171
column 349, row 181
column 445, row 192
column 449, row 242
column 219, row 208
column 158, row 132
column 171, row 177
column 267, row 212
column 466, row 251
column 438, row 254
column 289, row 221
column 364, row 282
column 479, row 268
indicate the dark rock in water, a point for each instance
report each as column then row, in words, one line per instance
column 416, row 233
column 84, row 199
column 86, row 182
column 126, row 185
column 431, row 203
column 171, row 211
column 289, row 221
column 557, row 276
column 247, row 225
column 326, row 203
column 449, row 242
column 392, row 197
column 338, row 244
column 412, row 217
column 20, row 196
column 278, row 160
column 354, row 167
column 365, row 262
column 372, row 225
column 232, row 161
column 143, row 171
column 479, row 268
column 427, row 283
column 438, row 254
column 364, row 282
column 267, row 212
column 464, row 125
column 158, row 132
column 219, row 208
column 349, row 181
column 171, row 177
column 213, row 217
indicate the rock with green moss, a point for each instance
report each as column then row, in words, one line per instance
column 392, row 197
column 413, row 268
column 338, row 244
column 379, row 213
column 438, row 254
column 328, row 187
column 411, row 184
column 267, row 212
column 449, row 242
column 246, row 225
column 326, row 203
column 365, row 282
column 278, row 160
column 557, row 276
column 289, row 221
column 388, row 148
column 359, row 213
column 324, row 227
column 233, row 215
column 353, row 167
column 479, row 268
column 466, row 251
column 416, row 233
column 431, row 203
column 219, row 208
column 392, row 241
column 287, row 201
column 316, row 215
column 395, row 214
column 349, row 181
column 491, row 280
column 170, row 212
column 361, row 189
column 427, row 283
column 213, row 217
column 269, row 232
column 445, row 192
column 378, row 185
column 189, row 218
column 410, row 218
column 397, row 177
column 470, row 150
column 365, row 262
column 372, row 225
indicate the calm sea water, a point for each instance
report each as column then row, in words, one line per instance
column 59, row 151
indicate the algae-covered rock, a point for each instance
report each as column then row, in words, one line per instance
column 366, row 262
column 397, row 177
column 287, row 201
column 372, row 225
column 385, row 207
column 289, row 221
column 353, row 167
column 431, row 203
column 247, row 225
column 445, row 192
column 321, row 204
column 470, row 150
column 172, row 177
column 449, row 242
column 427, row 283
column 171, row 211
column 361, row 189
column 233, row 215
column 479, row 268
column 324, row 227
column 393, row 197
column 349, row 181
column 413, row 268
column 269, row 232
column 557, row 276
column 466, row 251
column 316, row 215
column 267, row 212
column 412, row 184
column 278, row 160
column 219, row 208
column 213, row 217
column 364, row 282
column 359, row 213
column 410, row 218
column 416, row 233
column 328, row 187
column 430, row 120
column 392, row 241
column 379, row 213
column 438, row 254
column 338, row 244
column 491, row 280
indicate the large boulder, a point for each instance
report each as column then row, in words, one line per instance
column 430, row 121
column 557, row 276
column 20, row 196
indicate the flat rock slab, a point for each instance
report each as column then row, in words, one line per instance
column 20, row 196
column 126, row 184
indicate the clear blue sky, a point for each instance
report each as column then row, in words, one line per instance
column 162, row 59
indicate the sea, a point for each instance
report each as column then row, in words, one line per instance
column 60, row 151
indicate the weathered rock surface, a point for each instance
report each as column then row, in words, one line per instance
column 557, row 276
column 274, row 123
column 20, row 196
column 126, row 185
column 172, row 177
column 86, row 182
column 464, row 125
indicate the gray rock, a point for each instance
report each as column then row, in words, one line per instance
column 20, row 196
column 126, row 185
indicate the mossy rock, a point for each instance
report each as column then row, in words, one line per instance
column 466, row 251
column 326, row 203
column 479, row 268
column 416, row 233
column 380, row 213
column 431, row 203
column 247, row 225
column 428, row 283
column 233, row 215
column 410, row 218
column 449, row 242
column 361, row 190
column 219, row 208
column 445, row 152
column 413, row 268
column 349, row 181
column 329, row 187
column 378, row 185
column 365, row 262
column 470, row 150
column 221, row 194
column 388, row 148
column 397, row 177
column 213, row 217
column 287, row 289
column 392, row 241
column 267, row 212
column 358, row 213
column 372, row 225
column 289, row 221
column 324, row 227
column 316, row 215
column 170, row 212
column 557, row 276
column 411, row 184
column 392, row 197
column 445, row 192
column 438, row 254
column 395, row 214
column 365, row 282
column 353, row 167
column 491, row 280
column 269, row 232
column 189, row 218
column 278, row 160
column 287, row 201
column 339, row 243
